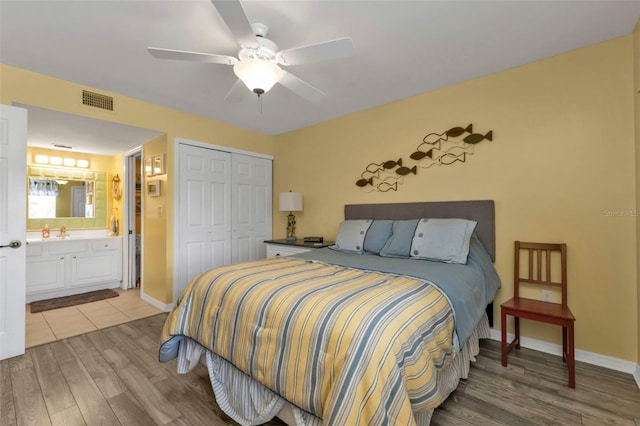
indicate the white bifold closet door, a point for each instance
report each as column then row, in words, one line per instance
column 224, row 210
column 250, row 207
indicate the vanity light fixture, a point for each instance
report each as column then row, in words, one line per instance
column 59, row 161
column 41, row 159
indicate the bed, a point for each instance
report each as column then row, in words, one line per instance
column 370, row 331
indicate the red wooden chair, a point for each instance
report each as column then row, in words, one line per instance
column 539, row 255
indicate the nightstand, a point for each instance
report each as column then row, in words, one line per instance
column 277, row 248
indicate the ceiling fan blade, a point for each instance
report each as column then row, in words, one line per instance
column 301, row 87
column 183, row 55
column 334, row 49
column 233, row 15
column 236, row 92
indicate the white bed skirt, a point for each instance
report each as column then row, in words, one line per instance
column 250, row 403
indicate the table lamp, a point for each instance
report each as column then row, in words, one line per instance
column 290, row 202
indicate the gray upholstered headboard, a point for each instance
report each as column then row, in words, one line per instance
column 482, row 211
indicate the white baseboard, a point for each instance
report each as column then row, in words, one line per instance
column 584, row 356
column 162, row 306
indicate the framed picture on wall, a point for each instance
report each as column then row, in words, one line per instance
column 158, row 164
column 148, row 166
column 153, row 188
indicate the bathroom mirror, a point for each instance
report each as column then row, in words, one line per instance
column 74, row 198
column 59, row 198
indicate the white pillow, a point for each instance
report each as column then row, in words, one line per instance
column 443, row 240
column 351, row 236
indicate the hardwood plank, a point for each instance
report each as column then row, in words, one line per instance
column 92, row 405
column 7, row 407
column 507, row 398
column 147, row 335
column 141, row 332
column 589, row 419
column 145, row 363
column 195, row 384
column 112, row 355
column 524, row 393
column 586, row 402
column 194, row 410
column 105, row 377
column 157, row 406
column 129, row 411
column 27, row 396
column 55, row 390
column 180, row 421
column 443, row 417
column 68, row 417
column 475, row 411
column 21, row 362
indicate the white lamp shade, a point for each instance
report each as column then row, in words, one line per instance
column 258, row 74
column 290, row 202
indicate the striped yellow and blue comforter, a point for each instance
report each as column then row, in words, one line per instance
column 347, row 345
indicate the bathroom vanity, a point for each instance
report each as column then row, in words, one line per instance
column 59, row 267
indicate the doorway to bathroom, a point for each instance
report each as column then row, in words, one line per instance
column 132, row 216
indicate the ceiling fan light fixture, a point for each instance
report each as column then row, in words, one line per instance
column 258, row 75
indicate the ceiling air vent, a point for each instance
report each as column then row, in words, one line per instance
column 97, row 100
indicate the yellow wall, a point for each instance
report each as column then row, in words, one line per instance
column 561, row 161
column 636, row 89
column 156, row 226
column 19, row 85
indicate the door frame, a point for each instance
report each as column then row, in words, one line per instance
column 128, row 219
column 176, row 176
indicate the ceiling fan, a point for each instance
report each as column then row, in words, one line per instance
column 258, row 62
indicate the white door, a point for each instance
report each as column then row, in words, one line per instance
column 251, row 212
column 13, row 226
column 204, row 211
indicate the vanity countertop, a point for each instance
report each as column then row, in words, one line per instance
column 36, row 237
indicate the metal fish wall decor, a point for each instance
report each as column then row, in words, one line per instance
column 436, row 149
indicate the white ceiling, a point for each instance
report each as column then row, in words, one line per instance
column 47, row 128
column 403, row 48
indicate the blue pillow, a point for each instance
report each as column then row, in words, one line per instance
column 377, row 235
column 351, row 236
column 399, row 245
column 442, row 240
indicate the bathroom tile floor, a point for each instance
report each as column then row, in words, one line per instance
column 56, row 324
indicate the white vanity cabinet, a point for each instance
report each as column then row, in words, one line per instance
column 57, row 268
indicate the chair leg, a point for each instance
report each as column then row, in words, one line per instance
column 571, row 362
column 517, row 331
column 564, row 344
column 503, row 325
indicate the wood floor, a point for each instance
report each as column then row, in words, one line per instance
column 112, row 377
